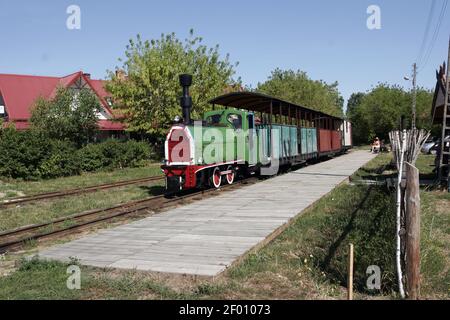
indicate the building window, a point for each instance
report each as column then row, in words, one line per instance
column 109, row 101
column 2, row 108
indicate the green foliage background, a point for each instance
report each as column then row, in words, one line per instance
column 68, row 116
column 378, row 111
column 149, row 95
column 297, row 87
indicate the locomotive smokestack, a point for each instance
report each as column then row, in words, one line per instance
column 186, row 100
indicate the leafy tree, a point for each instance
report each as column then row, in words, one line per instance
column 424, row 102
column 297, row 87
column 70, row 115
column 353, row 103
column 379, row 111
column 147, row 92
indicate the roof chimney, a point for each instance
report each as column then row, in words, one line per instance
column 120, row 74
column 87, row 75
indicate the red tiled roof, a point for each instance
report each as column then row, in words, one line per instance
column 110, row 125
column 20, row 92
column 98, row 86
column 103, row 125
column 66, row 82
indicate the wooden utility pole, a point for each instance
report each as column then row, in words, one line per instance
column 412, row 219
column 350, row 273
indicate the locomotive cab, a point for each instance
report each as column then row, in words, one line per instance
column 188, row 162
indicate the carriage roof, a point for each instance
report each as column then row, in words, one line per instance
column 259, row 102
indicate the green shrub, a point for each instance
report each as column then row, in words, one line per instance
column 31, row 155
column 61, row 162
column 136, row 154
column 90, row 157
column 113, row 154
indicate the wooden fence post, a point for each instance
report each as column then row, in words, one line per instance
column 412, row 221
column 350, row 273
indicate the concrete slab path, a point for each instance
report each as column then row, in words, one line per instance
column 207, row 236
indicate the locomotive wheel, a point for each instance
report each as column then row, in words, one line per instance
column 216, row 177
column 230, row 176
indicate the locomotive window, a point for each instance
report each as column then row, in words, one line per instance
column 235, row 120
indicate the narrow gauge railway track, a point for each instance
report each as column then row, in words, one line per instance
column 17, row 238
column 60, row 194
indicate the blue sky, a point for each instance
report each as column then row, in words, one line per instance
column 327, row 39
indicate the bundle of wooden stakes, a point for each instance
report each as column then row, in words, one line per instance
column 414, row 141
column 406, row 146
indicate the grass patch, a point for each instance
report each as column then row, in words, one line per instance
column 312, row 253
column 425, row 164
column 45, row 211
column 15, row 187
column 128, row 285
column 435, row 239
column 363, row 147
column 38, row 279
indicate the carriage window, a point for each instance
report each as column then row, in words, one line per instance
column 213, row 120
column 235, row 120
column 250, row 121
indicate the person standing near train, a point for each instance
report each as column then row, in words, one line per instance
column 376, row 146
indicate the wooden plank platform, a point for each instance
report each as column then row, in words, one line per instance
column 207, row 236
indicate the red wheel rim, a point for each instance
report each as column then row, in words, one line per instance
column 230, row 176
column 217, row 178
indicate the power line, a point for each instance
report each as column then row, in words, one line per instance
column 435, row 34
column 428, row 52
column 427, row 30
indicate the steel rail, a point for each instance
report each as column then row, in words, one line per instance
column 70, row 192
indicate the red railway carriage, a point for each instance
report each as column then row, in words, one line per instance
column 331, row 135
